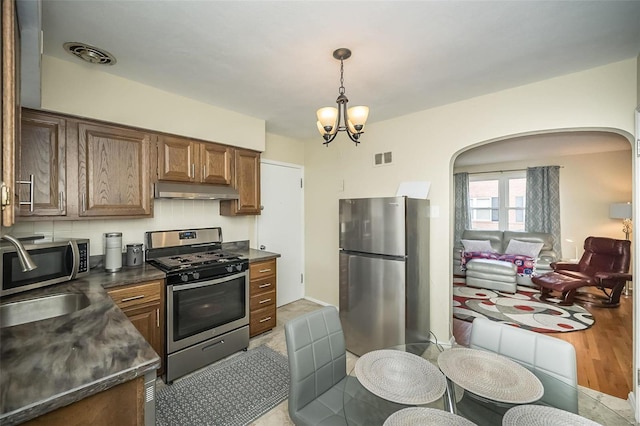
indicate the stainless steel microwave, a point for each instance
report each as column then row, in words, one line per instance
column 57, row 261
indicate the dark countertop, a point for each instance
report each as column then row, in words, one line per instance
column 48, row 364
column 241, row 248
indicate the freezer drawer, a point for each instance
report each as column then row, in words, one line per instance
column 372, row 302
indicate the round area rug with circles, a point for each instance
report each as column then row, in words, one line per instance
column 523, row 309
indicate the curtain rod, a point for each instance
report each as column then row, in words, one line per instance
column 505, row 171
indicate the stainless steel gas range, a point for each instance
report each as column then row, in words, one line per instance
column 207, row 294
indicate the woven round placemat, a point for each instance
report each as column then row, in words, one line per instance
column 541, row 415
column 490, row 376
column 425, row 417
column 400, row 377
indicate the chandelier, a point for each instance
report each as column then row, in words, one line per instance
column 329, row 118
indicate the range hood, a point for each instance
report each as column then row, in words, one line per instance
column 194, row 191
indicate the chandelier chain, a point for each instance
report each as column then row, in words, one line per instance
column 341, row 89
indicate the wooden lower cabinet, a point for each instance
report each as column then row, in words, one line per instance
column 119, row 405
column 143, row 304
column 262, row 296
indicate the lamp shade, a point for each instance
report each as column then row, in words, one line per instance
column 327, row 117
column 358, row 115
column 620, row 211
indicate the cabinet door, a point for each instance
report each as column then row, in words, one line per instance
column 147, row 320
column 144, row 305
column 216, row 163
column 43, row 156
column 177, row 159
column 10, row 122
column 247, row 182
column 113, row 171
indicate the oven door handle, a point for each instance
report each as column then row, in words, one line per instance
column 182, row 287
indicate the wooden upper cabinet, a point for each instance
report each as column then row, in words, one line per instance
column 217, row 162
column 176, row 159
column 113, row 171
column 10, row 105
column 42, row 163
column 247, row 182
column 186, row 160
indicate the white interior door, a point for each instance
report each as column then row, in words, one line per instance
column 280, row 225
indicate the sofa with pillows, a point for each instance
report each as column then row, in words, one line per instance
column 501, row 260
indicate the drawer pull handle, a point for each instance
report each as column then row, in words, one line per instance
column 265, row 319
column 158, row 318
column 264, row 285
column 129, row 299
column 264, row 301
column 262, row 271
column 211, row 346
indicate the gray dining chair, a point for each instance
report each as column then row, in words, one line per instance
column 543, row 355
column 318, row 374
column 317, row 367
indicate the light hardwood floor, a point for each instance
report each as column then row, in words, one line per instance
column 604, row 351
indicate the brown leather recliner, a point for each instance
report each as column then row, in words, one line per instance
column 604, row 265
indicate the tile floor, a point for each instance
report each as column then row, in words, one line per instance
column 279, row 416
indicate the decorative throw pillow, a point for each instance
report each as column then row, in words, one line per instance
column 469, row 255
column 524, row 264
column 524, row 248
column 477, row 245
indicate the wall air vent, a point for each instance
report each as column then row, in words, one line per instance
column 90, row 53
column 382, row 159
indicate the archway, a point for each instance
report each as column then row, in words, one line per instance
column 585, row 211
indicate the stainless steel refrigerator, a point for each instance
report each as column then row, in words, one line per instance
column 384, row 272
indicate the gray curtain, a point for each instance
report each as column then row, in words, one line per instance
column 461, row 207
column 543, row 203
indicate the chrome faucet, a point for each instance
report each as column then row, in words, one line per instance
column 26, row 261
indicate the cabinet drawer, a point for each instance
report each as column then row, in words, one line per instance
column 262, row 320
column 262, row 286
column 262, row 269
column 262, row 300
column 129, row 296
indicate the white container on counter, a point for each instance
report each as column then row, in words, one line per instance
column 113, row 251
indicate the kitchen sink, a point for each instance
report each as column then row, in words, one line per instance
column 41, row 308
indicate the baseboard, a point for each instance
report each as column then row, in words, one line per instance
column 632, row 403
column 319, row 302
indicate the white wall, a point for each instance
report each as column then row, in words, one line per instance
column 284, row 149
column 83, row 89
column 424, row 146
column 588, row 185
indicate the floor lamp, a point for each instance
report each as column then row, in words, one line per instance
column 622, row 211
column 625, row 212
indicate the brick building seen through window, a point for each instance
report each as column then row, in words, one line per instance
column 497, row 200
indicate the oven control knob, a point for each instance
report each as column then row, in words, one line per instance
column 184, row 277
column 196, row 275
column 229, row 268
column 238, row 267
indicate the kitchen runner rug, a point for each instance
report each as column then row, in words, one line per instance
column 234, row 391
column 523, row 309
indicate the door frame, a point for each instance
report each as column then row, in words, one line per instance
column 302, row 213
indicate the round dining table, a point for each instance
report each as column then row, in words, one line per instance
column 390, row 387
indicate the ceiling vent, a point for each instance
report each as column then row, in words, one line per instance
column 90, row 53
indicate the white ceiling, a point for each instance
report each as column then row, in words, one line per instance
column 273, row 59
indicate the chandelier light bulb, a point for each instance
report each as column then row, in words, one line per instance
column 327, row 117
column 358, row 115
